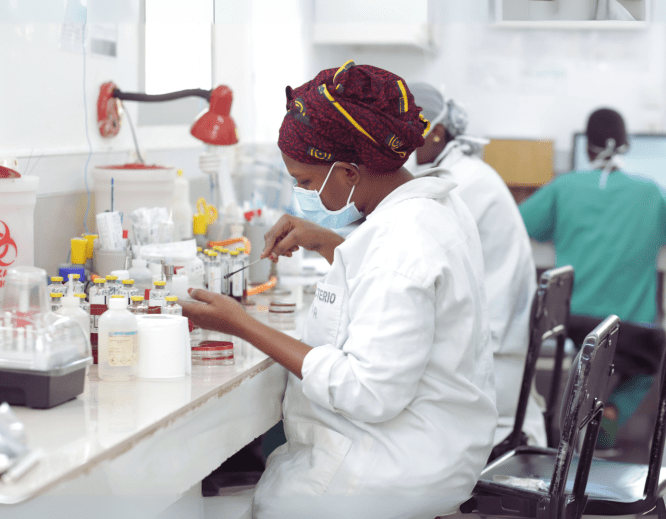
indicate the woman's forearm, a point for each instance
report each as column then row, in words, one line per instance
column 285, row 350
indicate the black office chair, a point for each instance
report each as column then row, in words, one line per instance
column 582, row 407
column 548, row 320
column 616, row 488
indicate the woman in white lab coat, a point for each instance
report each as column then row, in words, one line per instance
column 510, row 274
column 389, row 408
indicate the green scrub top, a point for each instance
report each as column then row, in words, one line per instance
column 611, row 236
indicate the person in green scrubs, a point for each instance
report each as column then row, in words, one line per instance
column 609, row 225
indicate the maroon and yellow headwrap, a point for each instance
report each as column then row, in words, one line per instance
column 357, row 113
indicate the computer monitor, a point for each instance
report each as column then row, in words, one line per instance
column 646, row 156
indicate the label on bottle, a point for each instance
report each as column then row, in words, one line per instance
column 123, row 348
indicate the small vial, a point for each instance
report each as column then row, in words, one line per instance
column 138, row 306
column 224, row 262
column 74, row 280
column 98, row 292
column 83, row 304
column 158, row 293
column 216, row 273
column 128, row 289
column 200, row 253
column 56, row 301
column 246, row 262
column 56, row 285
column 112, row 285
column 171, row 306
column 236, row 281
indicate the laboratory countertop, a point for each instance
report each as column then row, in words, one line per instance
column 111, row 418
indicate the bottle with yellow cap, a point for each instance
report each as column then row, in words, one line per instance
column 56, row 300
column 98, row 292
column 75, row 281
column 56, row 285
column 236, row 281
column 85, row 305
column 78, row 260
column 128, row 290
column 138, row 306
column 242, row 253
column 118, row 343
column 158, row 294
column 199, row 228
column 172, row 307
column 224, row 263
column 215, row 273
column 200, row 253
column 112, row 286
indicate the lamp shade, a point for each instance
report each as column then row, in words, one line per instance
column 215, row 125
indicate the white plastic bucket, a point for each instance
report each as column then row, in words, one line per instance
column 18, row 197
column 135, row 185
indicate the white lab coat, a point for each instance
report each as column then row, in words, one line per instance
column 395, row 414
column 510, row 279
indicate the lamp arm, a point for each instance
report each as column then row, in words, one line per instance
column 155, row 98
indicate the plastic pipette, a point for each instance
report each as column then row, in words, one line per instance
column 227, row 276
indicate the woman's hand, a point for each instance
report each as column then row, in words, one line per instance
column 215, row 312
column 290, row 233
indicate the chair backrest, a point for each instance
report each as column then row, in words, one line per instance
column 657, row 449
column 548, row 320
column 582, row 406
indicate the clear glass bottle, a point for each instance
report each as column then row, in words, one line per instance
column 224, row 263
column 85, row 305
column 200, row 253
column 138, row 306
column 98, row 292
column 74, row 280
column 112, row 285
column 118, row 342
column 207, row 269
column 158, row 293
column 56, row 301
column 242, row 253
column 56, row 285
column 236, row 281
column 128, row 290
column 171, row 307
column 216, row 273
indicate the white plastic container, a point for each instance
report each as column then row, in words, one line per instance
column 118, row 346
column 71, row 307
column 140, row 273
column 135, row 185
column 18, row 197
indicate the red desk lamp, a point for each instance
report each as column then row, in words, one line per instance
column 212, row 126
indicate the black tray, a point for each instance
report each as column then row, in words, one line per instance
column 42, row 389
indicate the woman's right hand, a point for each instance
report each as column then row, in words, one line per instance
column 290, row 233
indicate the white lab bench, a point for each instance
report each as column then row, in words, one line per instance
column 135, row 449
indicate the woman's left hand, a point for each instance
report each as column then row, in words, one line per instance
column 218, row 312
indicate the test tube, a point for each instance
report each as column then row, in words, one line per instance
column 7, row 323
column 20, row 339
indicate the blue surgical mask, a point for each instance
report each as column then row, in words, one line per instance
column 314, row 209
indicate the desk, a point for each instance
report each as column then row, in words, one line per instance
column 131, row 450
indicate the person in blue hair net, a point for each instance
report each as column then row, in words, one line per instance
column 510, row 274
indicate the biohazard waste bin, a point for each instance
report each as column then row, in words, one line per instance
column 18, row 197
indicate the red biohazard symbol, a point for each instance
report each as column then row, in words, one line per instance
column 6, row 243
